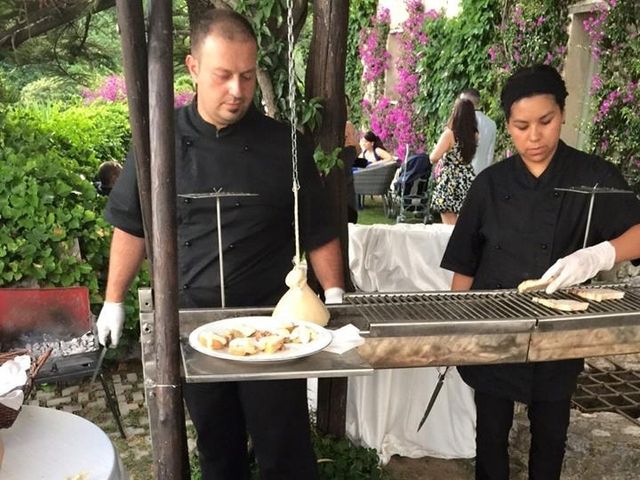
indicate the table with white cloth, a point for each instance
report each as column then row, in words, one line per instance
column 45, row 443
column 384, row 410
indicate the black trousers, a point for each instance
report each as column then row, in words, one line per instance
column 549, row 421
column 273, row 412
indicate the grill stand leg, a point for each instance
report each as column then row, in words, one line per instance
column 113, row 404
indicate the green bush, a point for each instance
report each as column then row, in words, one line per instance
column 49, row 207
column 50, row 89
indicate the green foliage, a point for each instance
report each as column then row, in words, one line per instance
column 339, row 459
column 327, row 161
column 67, row 54
column 455, row 58
column 48, row 205
column 50, row 89
column 360, row 14
column 617, row 100
column 268, row 18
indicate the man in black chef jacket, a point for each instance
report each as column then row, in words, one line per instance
column 224, row 142
column 514, row 226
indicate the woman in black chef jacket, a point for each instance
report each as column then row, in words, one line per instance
column 514, row 225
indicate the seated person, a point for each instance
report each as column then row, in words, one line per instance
column 372, row 150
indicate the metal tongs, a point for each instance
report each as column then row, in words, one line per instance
column 103, row 352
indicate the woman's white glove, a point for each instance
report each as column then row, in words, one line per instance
column 580, row 266
column 333, row 295
column 110, row 322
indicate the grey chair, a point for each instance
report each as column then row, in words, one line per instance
column 375, row 180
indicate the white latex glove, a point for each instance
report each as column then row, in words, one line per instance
column 333, row 295
column 110, row 322
column 580, row 266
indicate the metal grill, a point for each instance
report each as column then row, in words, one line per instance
column 477, row 305
column 496, row 326
column 609, row 390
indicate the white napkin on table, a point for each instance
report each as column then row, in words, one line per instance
column 344, row 339
column 13, row 374
column 13, row 399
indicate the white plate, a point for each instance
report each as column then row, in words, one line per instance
column 289, row 352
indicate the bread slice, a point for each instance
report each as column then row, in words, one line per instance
column 534, row 285
column 563, row 304
column 243, row 346
column 212, row 341
column 598, row 294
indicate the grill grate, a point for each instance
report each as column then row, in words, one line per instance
column 609, row 390
column 477, row 305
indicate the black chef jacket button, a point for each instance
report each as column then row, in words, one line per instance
column 231, row 246
column 237, row 204
column 556, row 194
column 188, row 143
column 507, row 196
column 497, row 247
column 187, row 200
column 245, row 148
column 185, row 286
column 498, row 285
column 187, row 243
column 543, row 246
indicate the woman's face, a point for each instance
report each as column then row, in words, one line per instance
column 534, row 126
column 366, row 144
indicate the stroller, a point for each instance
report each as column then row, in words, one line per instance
column 409, row 195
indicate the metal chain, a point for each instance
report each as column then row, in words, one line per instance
column 294, row 130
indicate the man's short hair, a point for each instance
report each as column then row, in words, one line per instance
column 471, row 94
column 223, row 22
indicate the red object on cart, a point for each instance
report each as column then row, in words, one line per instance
column 44, row 310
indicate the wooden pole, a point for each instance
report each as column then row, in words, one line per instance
column 134, row 58
column 325, row 79
column 170, row 448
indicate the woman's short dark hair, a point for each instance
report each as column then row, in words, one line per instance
column 223, row 22
column 534, row 80
column 464, row 125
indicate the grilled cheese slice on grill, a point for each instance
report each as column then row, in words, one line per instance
column 563, row 304
column 598, row 294
column 534, row 285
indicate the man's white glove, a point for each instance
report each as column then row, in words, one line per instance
column 110, row 322
column 580, row 266
column 333, row 295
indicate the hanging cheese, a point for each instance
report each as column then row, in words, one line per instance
column 300, row 302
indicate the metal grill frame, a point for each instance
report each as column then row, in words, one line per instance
column 603, row 390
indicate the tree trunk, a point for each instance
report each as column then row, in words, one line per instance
column 325, row 79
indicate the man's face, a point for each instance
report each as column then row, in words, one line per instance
column 225, row 75
column 534, row 126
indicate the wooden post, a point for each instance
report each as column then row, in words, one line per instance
column 134, row 59
column 325, row 79
column 170, row 449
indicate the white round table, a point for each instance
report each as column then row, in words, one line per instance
column 45, row 443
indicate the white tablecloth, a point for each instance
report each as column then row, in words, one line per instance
column 383, row 410
column 45, row 443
